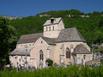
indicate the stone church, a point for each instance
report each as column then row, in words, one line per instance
column 62, row 46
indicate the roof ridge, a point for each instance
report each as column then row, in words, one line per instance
column 31, row 34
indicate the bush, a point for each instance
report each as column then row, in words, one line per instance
column 49, row 62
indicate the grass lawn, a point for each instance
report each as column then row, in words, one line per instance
column 70, row 71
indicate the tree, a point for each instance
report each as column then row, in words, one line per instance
column 7, row 37
column 101, row 23
column 74, row 13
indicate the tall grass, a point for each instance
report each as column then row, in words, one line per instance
column 71, row 71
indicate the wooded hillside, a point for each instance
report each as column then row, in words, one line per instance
column 90, row 25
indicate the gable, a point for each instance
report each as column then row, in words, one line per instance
column 42, row 41
column 40, row 44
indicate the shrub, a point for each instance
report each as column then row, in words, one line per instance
column 49, row 62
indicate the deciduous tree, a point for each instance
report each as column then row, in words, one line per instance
column 6, row 39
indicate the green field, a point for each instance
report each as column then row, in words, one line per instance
column 71, row 71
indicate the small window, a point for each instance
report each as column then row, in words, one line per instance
column 41, row 55
column 15, row 57
column 68, row 53
column 84, row 56
column 29, row 44
column 41, row 42
column 53, row 27
column 19, row 59
column 25, row 57
column 49, row 28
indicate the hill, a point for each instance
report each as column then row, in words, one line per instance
column 90, row 25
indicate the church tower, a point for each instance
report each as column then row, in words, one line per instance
column 52, row 27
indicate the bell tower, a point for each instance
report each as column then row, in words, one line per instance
column 52, row 27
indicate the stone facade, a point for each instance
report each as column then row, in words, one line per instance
column 63, row 46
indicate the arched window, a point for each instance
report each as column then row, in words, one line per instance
column 68, row 53
column 41, row 55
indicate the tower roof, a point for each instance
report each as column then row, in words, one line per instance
column 81, row 49
column 52, row 21
column 71, row 35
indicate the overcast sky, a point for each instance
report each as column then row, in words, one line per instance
column 32, row 7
